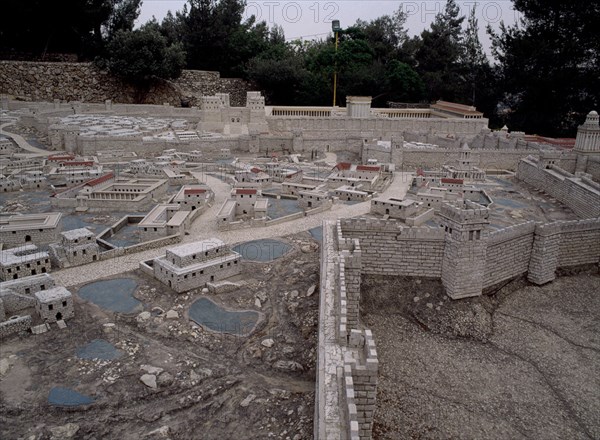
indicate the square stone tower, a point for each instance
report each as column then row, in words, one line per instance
column 463, row 263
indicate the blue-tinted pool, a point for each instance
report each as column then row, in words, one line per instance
column 262, row 250
column 99, row 349
column 208, row 314
column 114, row 295
column 278, row 208
column 59, row 396
column 317, row 233
column 128, row 235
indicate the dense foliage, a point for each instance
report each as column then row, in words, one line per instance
column 543, row 79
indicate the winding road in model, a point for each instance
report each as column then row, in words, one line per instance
column 22, row 143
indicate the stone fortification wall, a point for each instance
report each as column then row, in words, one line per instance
column 582, row 195
column 410, row 159
column 390, row 248
column 47, row 81
column 508, row 253
column 347, row 358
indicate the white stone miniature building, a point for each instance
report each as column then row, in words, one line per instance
column 164, row 220
column 54, row 304
column 8, row 184
column 360, row 176
column 77, row 246
column 217, row 115
column 244, row 204
column 312, row 199
column 32, row 179
column 23, row 261
column 349, row 193
column 192, row 265
column 465, row 168
column 192, row 197
column 6, row 145
column 254, row 176
column 293, row 188
column 112, row 193
column 17, row 230
column 395, row 208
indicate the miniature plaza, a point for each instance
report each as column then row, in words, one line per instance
column 268, row 232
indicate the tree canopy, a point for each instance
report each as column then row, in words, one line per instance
column 542, row 78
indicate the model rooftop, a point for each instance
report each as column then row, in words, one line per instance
column 30, row 221
column 21, row 254
column 188, row 249
column 75, row 234
column 55, row 294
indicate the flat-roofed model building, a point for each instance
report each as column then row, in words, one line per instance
column 192, row 197
column 54, row 304
column 193, row 265
column 108, row 193
column 77, row 246
column 347, row 174
column 17, row 230
column 312, row 199
column 23, row 261
column 164, row 220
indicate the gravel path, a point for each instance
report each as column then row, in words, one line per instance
column 205, row 227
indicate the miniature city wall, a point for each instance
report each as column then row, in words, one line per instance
column 391, row 248
column 346, row 389
column 346, row 385
column 581, row 194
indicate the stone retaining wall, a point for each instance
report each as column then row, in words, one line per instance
column 390, row 248
column 12, row 326
column 47, row 81
column 582, row 195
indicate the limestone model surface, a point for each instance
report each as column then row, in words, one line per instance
column 297, row 272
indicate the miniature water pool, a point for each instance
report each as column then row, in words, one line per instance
column 99, row 349
column 278, row 208
column 126, row 236
column 317, row 233
column 114, row 295
column 206, row 313
column 59, row 396
column 262, row 250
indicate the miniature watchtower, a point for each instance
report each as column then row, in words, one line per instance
column 463, row 264
column 587, row 142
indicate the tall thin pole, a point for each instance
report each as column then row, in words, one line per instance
column 335, row 69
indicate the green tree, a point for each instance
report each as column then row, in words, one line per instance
column 215, row 37
column 439, row 53
column 74, row 26
column 549, row 65
column 386, row 35
column 143, row 55
column 403, row 84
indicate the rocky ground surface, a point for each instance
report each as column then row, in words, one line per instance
column 523, row 362
column 175, row 379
